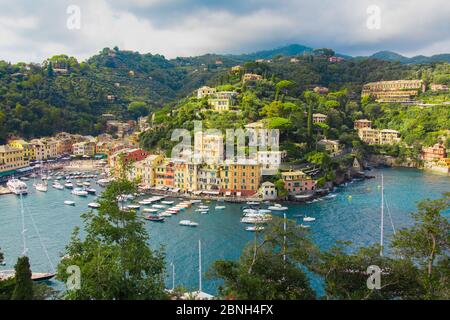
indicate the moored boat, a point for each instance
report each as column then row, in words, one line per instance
column 277, row 207
column 79, row 192
column 17, row 187
column 188, row 223
column 94, row 205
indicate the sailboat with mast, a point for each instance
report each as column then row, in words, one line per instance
column 35, row 276
column 41, row 186
column 200, row 294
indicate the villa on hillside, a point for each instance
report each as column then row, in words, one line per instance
column 401, row 91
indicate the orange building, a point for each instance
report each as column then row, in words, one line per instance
column 240, row 178
column 435, row 152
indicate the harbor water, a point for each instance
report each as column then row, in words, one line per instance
column 351, row 212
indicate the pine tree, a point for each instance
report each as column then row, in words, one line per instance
column 50, row 69
column 24, row 285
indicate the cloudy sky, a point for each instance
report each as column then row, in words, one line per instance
column 35, row 30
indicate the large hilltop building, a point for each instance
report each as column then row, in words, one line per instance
column 402, row 91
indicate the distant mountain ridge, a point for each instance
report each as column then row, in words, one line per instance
column 393, row 56
column 298, row 49
column 289, row 50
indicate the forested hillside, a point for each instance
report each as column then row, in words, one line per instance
column 63, row 94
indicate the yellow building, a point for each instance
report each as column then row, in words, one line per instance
column 220, row 104
column 11, row 158
column 45, row 148
column 251, row 77
column 84, row 149
column 205, row 91
column 375, row 136
column 319, row 118
column 388, row 136
column 145, row 170
column 28, row 150
column 393, row 91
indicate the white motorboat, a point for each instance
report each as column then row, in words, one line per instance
column 167, row 202
column 150, row 210
column 87, row 184
column 252, row 203
column 195, row 201
column 165, row 214
column 219, row 207
column 57, row 185
column 79, row 192
column 68, row 185
column 309, row 219
column 188, row 223
column 41, row 186
column 91, row 191
column 159, row 206
column 203, row 207
column 69, row 203
column 133, row 207
column 304, row 226
column 277, row 207
column 24, row 179
column 256, row 219
column 94, row 205
column 17, row 187
column 254, row 228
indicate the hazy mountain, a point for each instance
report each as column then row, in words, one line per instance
column 393, row 56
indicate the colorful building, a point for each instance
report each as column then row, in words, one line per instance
column 268, row 191
column 145, row 170
column 375, row 136
column 11, row 158
column 331, row 146
column 205, row 91
column 393, row 91
column 319, row 118
column 29, row 153
column 84, row 149
column 165, row 174
column 240, row 178
column 297, row 182
column 251, row 77
column 435, row 152
column 45, row 148
column 362, row 123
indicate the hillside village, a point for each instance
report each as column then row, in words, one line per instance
column 268, row 174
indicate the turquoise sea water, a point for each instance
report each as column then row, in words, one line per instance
column 338, row 217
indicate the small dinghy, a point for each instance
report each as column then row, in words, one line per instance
column 69, row 203
column 94, row 205
column 156, row 218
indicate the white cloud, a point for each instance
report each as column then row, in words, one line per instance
column 175, row 27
